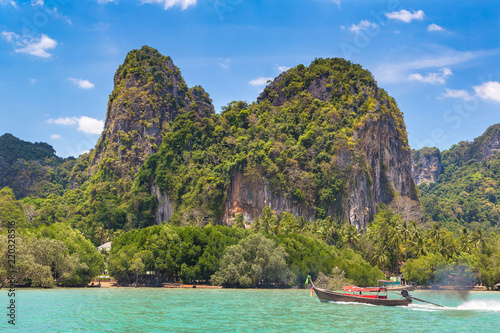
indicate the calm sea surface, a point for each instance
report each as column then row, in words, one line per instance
column 227, row 310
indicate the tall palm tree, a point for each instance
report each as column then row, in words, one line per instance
column 465, row 241
column 395, row 239
column 380, row 257
column 407, row 234
column 351, row 235
column 436, row 233
column 477, row 239
column 421, row 247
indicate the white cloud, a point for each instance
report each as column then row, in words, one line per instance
column 9, row 36
column 224, row 66
column 85, row 124
column 62, row 121
column 432, row 78
column 260, row 81
column 171, row 3
column 460, row 94
column 37, row 46
column 83, row 84
column 434, row 27
column 406, row 16
column 90, row 125
column 363, row 25
column 55, row 136
column 9, row 2
column 33, row 81
column 488, row 91
column 393, row 72
column 37, row 2
column 283, row 68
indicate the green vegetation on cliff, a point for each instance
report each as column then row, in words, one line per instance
column 305, row 147
column 468, row 190
column 32, row 169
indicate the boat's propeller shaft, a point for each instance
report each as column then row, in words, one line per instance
column 405, row 294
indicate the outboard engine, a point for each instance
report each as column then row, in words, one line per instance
column 404, row 293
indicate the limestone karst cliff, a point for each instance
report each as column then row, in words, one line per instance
column 321, row 141
column 149, row 92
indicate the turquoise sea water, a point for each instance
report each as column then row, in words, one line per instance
column 228, row 310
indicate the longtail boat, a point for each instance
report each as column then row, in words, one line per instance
column 366, row 295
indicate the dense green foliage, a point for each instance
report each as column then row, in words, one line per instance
column 230, row 256
column 32, row 169
column 431, row 255
column 188, row 253
column 254, row 261
column 467, row 191
column 49, row 256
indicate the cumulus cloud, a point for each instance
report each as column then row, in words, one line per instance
column 260, row 81
column 432, row 78
column 90, row 125
column 36, row 46
column 434, row 27
column 406, row 16
column 488, row 91
column 183, row 4
column 460, row 94
column 85, row 124
column 363, row 25
column 83, row 84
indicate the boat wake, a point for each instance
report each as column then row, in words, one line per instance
column 473, row 305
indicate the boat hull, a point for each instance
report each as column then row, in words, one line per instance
column 331, row 296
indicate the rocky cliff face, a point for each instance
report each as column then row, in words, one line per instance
column 249, row 194
column 149, row 92
column 426, row 165
column 377, row 166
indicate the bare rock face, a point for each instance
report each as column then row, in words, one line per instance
column 249, row 193
column 426, row 165
column 491, row 144
column 389, row 159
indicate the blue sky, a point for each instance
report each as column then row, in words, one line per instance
column 438, row 59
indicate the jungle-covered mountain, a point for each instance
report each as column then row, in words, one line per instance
column 32, row 169
column 321, row 141
column 262, row 194
column 460, row 186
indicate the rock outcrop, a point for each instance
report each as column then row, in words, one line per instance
column 382, row 172
column 149, row 92
column 426, row 165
